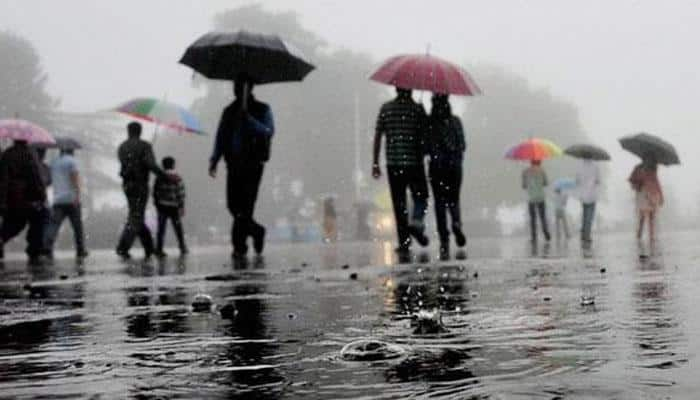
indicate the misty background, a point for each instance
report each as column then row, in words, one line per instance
column 566, row 71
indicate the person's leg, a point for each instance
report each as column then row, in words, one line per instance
column 37, row 220
column 12, row 224
column 255, row 230
column 542, row 210
column 139, row 215
column 565, row 222
column 162, row 227
column 132, row 224
column 454, row 205
column 235, row 195
column 557, row 224
column 54, row 226
column 418, row 185
column 652, row 226
column 586, row 225
column 438, row 183
column 179, row 231
column 531, row 208
column 397, row 186
column 640, row 227
column 75, row 215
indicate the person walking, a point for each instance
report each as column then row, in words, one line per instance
column 22, row 198
column 446, row 146
column 587, row 183
column 65, row 173
column 649, row 196
column 169, row 199
column 330, row 220
column 534, row 181
column 243, row 140
column 404, row 124
column 137, row 163
column 561, row 222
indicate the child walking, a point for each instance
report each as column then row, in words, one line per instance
column 169, row 199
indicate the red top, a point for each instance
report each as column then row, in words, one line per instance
column 646, row 181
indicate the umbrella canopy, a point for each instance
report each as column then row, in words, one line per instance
column 18, row 129
column 534, row 149
column 564, row 184
column 587, row 151
column 262, row 58
column 169, row 115
column 644, row 144
column 426, row 72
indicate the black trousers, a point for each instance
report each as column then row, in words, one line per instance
column 535, row 208
column 16, row 220
column 172, row 214
column 446, row 183
column 59, row 212
column 137, row 199
column 242, row 185
column 408, row 178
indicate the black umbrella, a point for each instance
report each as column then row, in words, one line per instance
column 587, row 151
column 62, row 143
column 262, row 58
column 645, row 145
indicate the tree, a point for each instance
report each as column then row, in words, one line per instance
column 23, row 82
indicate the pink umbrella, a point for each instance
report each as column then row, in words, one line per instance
column 426, row 72
column 19, row 129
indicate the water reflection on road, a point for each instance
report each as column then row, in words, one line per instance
column 555, row 320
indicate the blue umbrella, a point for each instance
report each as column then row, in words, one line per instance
column 564, row 184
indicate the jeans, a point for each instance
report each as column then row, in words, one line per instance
column 59, row 213
column 242, row 185
column 587, row 225
column 535, row 208
column 446, row 183
column 137, row 199
column 17, row 219
column 408, row 178
column 561, row 222
column 172, row 214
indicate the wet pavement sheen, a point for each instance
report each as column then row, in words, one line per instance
column 548, row 322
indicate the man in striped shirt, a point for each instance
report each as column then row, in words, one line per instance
column 404, row 124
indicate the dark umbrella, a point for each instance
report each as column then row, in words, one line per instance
column 644, row 145
column 62, row 143
column 262, row 58
column 587, row 151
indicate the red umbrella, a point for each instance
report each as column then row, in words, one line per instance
column 426, row 72
column 18, row 129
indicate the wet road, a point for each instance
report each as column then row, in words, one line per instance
column 551, row 322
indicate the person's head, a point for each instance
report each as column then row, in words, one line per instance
column 403, row 92
column 441, row 106
column 168, row 163
column 240, row 85
column 536, row 163
column 134, row 129
column 67, row 152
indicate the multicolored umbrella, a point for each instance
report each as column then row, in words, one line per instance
column 426, row 72
column 168, row 115
column 19, row 129
column 534, row 149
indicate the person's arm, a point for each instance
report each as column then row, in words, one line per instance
column 634, row 179
column 460, row 134
column 150, row 161
column 4, row 177
column 221, row 132
column 181, row 196
column 265, row 126
column 423, row 129
column 545, row 181
column 75, row 181
column 377, row 146
column 36, row 177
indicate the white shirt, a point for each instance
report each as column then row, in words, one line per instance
column 587, row 182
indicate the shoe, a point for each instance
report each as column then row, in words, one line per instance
column 460, row 239
column 160, row 254
column 34, row 260
column 124, row 254
column 444, row 252
column 238, row 256
column 259, row 241
column 184, row 251
column 419, row 234
column 79, row 254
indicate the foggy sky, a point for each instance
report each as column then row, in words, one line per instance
column 627, row 65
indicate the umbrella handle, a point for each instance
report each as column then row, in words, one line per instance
column 244, row 100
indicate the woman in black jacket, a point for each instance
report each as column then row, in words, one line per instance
column 446, row 146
